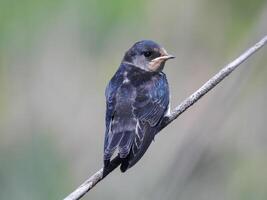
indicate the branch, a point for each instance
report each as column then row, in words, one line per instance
column 217, row 78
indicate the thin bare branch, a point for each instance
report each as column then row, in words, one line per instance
column 217, row 78
column 211, row 83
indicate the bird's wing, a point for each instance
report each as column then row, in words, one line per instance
column 152, row 101
column 150, row 106
column 110, row 94
column 120, row 122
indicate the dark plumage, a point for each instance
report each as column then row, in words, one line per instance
column 137, row 98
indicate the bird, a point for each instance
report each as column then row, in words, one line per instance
column 137, row 99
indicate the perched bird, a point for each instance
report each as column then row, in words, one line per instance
column 137, row 98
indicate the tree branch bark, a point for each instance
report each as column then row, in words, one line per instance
column 211, row 83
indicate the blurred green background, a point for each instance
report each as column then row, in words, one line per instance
column 56, row 58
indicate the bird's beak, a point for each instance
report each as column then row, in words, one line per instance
column 166, row 57
column 163, row 56
column 158, row 62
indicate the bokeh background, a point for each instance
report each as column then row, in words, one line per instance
column 56, row 58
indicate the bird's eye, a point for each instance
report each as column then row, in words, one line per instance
column 147, row 53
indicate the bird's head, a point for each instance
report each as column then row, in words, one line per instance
column 147, row 55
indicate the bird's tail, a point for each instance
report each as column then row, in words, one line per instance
column 114, row 163
column 109, row 166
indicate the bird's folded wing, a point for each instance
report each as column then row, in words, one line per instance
column 152, row 102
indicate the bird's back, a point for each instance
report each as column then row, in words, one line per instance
column 136, row 102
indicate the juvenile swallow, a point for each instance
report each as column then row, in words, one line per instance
column 137, row 98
